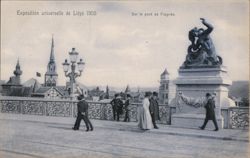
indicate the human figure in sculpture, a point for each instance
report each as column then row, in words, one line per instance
column 202, row 50
column 206, row 42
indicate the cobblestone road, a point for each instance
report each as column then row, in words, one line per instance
column 24, row 139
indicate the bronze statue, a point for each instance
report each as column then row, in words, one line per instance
column 202, row 52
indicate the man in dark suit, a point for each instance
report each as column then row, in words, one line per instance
column 210, row 114
column 154, row 109
column 117, row 105
column 82, row 107
column 126, row 104
column 114, row 108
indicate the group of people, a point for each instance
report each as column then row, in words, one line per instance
column 148, row 114
column 118, row 107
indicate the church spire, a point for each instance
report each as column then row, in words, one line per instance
column 52, row 57
column 51, row 74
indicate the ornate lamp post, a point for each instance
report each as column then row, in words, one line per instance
column 70, row 70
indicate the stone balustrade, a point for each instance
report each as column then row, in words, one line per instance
column 67, row 108
column 234, row 117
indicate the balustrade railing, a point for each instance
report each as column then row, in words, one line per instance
column 234, row 117
column 67, row 108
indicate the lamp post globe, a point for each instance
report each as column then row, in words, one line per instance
column 81, row 65
column 73, row 55
column 66, row 66
column 70, row 71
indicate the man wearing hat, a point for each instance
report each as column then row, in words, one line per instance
column 82, row 107
column 114, row 108
column 154, row 109
column 126, row 104
column 210, row 114
column 117, row 105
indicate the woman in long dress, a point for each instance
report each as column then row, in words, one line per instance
column 144, row 117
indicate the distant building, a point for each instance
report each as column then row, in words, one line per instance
column 14, row 87
column 16, row 80
column 50, row 89
column 51, row 74
column 33, row 83
column 33, row 88
column 167, row 89
column 50, row 93
column 163, row 89
column 96, row 94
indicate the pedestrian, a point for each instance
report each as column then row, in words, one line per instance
column 210, row 114
column 117, row 107
column 144, row 117
column 114, row 106
column 126, row 104
column 82, row 108
column 208, row 102
column 154, row 109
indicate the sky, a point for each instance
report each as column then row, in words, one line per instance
column 119, row 48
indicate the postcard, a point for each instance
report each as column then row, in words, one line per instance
column 118, row 56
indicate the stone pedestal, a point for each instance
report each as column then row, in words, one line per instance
column 195, row 83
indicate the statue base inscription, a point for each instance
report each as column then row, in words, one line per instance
column 195, row 82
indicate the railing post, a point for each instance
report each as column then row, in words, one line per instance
column 21, row 107
column 229, row 118
column 102, row 111
column 170, row 113
column 45, row 109
column 72, row 109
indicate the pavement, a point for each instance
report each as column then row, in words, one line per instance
column 222, row 134
column 28, row 136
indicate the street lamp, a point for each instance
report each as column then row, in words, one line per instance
column 71, row 71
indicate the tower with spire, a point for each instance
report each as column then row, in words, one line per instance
column 16, row 80
column 51, row 74
column 13, row 87
column 18, row 72
column 107, row 92
column 164, row 88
